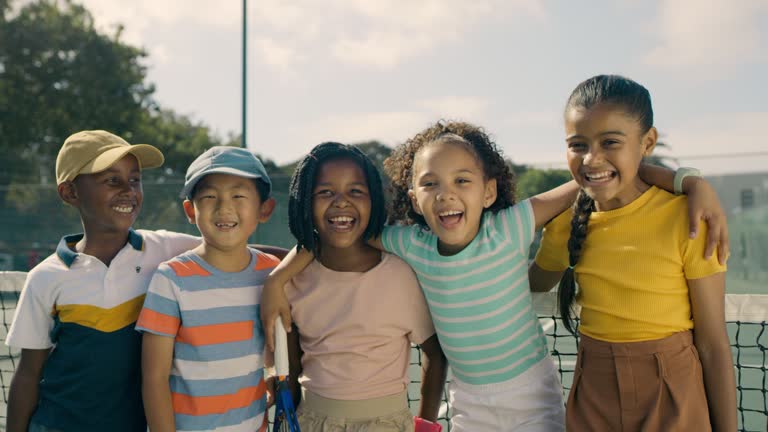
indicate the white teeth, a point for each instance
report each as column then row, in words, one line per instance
column 123, row 209
column 226, row 225
column 341, row 219
column 599, row 175
column 450, row 213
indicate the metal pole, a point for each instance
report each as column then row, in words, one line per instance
column 243, row 142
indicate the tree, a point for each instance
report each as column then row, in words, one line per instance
column 59, row 75
column 534, row 181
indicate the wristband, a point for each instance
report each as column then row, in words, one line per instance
column 421, row 425
column 680, row 175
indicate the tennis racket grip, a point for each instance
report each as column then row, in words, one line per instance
column 281, row 348
column 421, row 425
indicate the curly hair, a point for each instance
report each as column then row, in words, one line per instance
column 399, row 167
column 300, row 214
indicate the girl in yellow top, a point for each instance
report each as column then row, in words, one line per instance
column 654, row 353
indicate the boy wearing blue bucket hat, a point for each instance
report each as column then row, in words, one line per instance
column 202, row 355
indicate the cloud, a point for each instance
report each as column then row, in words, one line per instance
column 382, row 33
column 708, row 36
column 455, row 107
column 140, row 17
column 718, row 134
column 277, row 55
column 388, row 127
column 371, row 33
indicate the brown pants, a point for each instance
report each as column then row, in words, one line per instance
column 638, row 386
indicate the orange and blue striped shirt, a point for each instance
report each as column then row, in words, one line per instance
column 217, row 379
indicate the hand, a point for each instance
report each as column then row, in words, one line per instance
column 271, row 391
column 703, row 204
column 274, row 304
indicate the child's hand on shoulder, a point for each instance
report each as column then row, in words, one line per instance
column 704, row 205
column 274, row 303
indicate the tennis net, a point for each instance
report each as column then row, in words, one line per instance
column 747, row 317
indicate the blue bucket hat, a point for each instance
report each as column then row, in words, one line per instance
column 225, row 160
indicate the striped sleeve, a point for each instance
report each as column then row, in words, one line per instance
column 553, row 252
column 161, row 314
column 518, row 224
column 394, row 238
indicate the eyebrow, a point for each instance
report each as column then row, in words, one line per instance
column 612, row 132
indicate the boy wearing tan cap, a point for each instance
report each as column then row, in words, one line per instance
column 80, row 355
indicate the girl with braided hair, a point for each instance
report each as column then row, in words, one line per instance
column 356, row 309
column 654, row 354
column 468, row 240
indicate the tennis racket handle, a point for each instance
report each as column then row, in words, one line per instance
column 281, row 348
column 421, row 425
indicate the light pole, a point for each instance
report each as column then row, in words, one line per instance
column 243, row 142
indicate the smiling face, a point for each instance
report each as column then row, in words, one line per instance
column 341, row 205
column 108, row 201
column 450, row 191
column 227, row 209
column 605, row 148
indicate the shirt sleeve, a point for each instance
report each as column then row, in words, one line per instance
column 177, row 243
column 161, row 314
column 518, row 224
column 694, row 264
column 553, row 252
column 395, row 240
column 33, row 321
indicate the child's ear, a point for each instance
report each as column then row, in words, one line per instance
column 189, row 210
column 68, row 193
column 266, row 209
column 414, row 202
column 490, row 193
column 649, row 141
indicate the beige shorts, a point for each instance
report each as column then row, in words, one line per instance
column 385, row 414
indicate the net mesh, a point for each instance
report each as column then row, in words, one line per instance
column 746, row 316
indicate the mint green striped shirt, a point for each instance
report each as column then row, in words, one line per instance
column 479, row 299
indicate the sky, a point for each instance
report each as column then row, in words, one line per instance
column 357, row 70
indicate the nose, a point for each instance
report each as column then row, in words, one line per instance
column 340, row 201
column 445, row 194
column 593, row 157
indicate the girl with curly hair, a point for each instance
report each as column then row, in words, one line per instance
column 467, row 240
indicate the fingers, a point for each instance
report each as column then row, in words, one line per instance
column 285, row 315
column 725, row 247
column 268, row 322
column 694, row 218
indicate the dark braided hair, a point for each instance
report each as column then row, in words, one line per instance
column 634, row 100
column 566, row 292
column 300, row 215
column 399, row 167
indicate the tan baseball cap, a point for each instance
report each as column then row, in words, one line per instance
column 93, row 151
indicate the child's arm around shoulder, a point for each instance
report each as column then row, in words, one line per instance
column 25, row 386
column 711, row 340
column 551, row 203
column 274, row 302
column 703, row 205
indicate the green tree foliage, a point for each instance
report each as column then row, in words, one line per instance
column 59, row 75
column 534, row 181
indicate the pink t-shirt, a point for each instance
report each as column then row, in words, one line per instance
column 356, row 328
